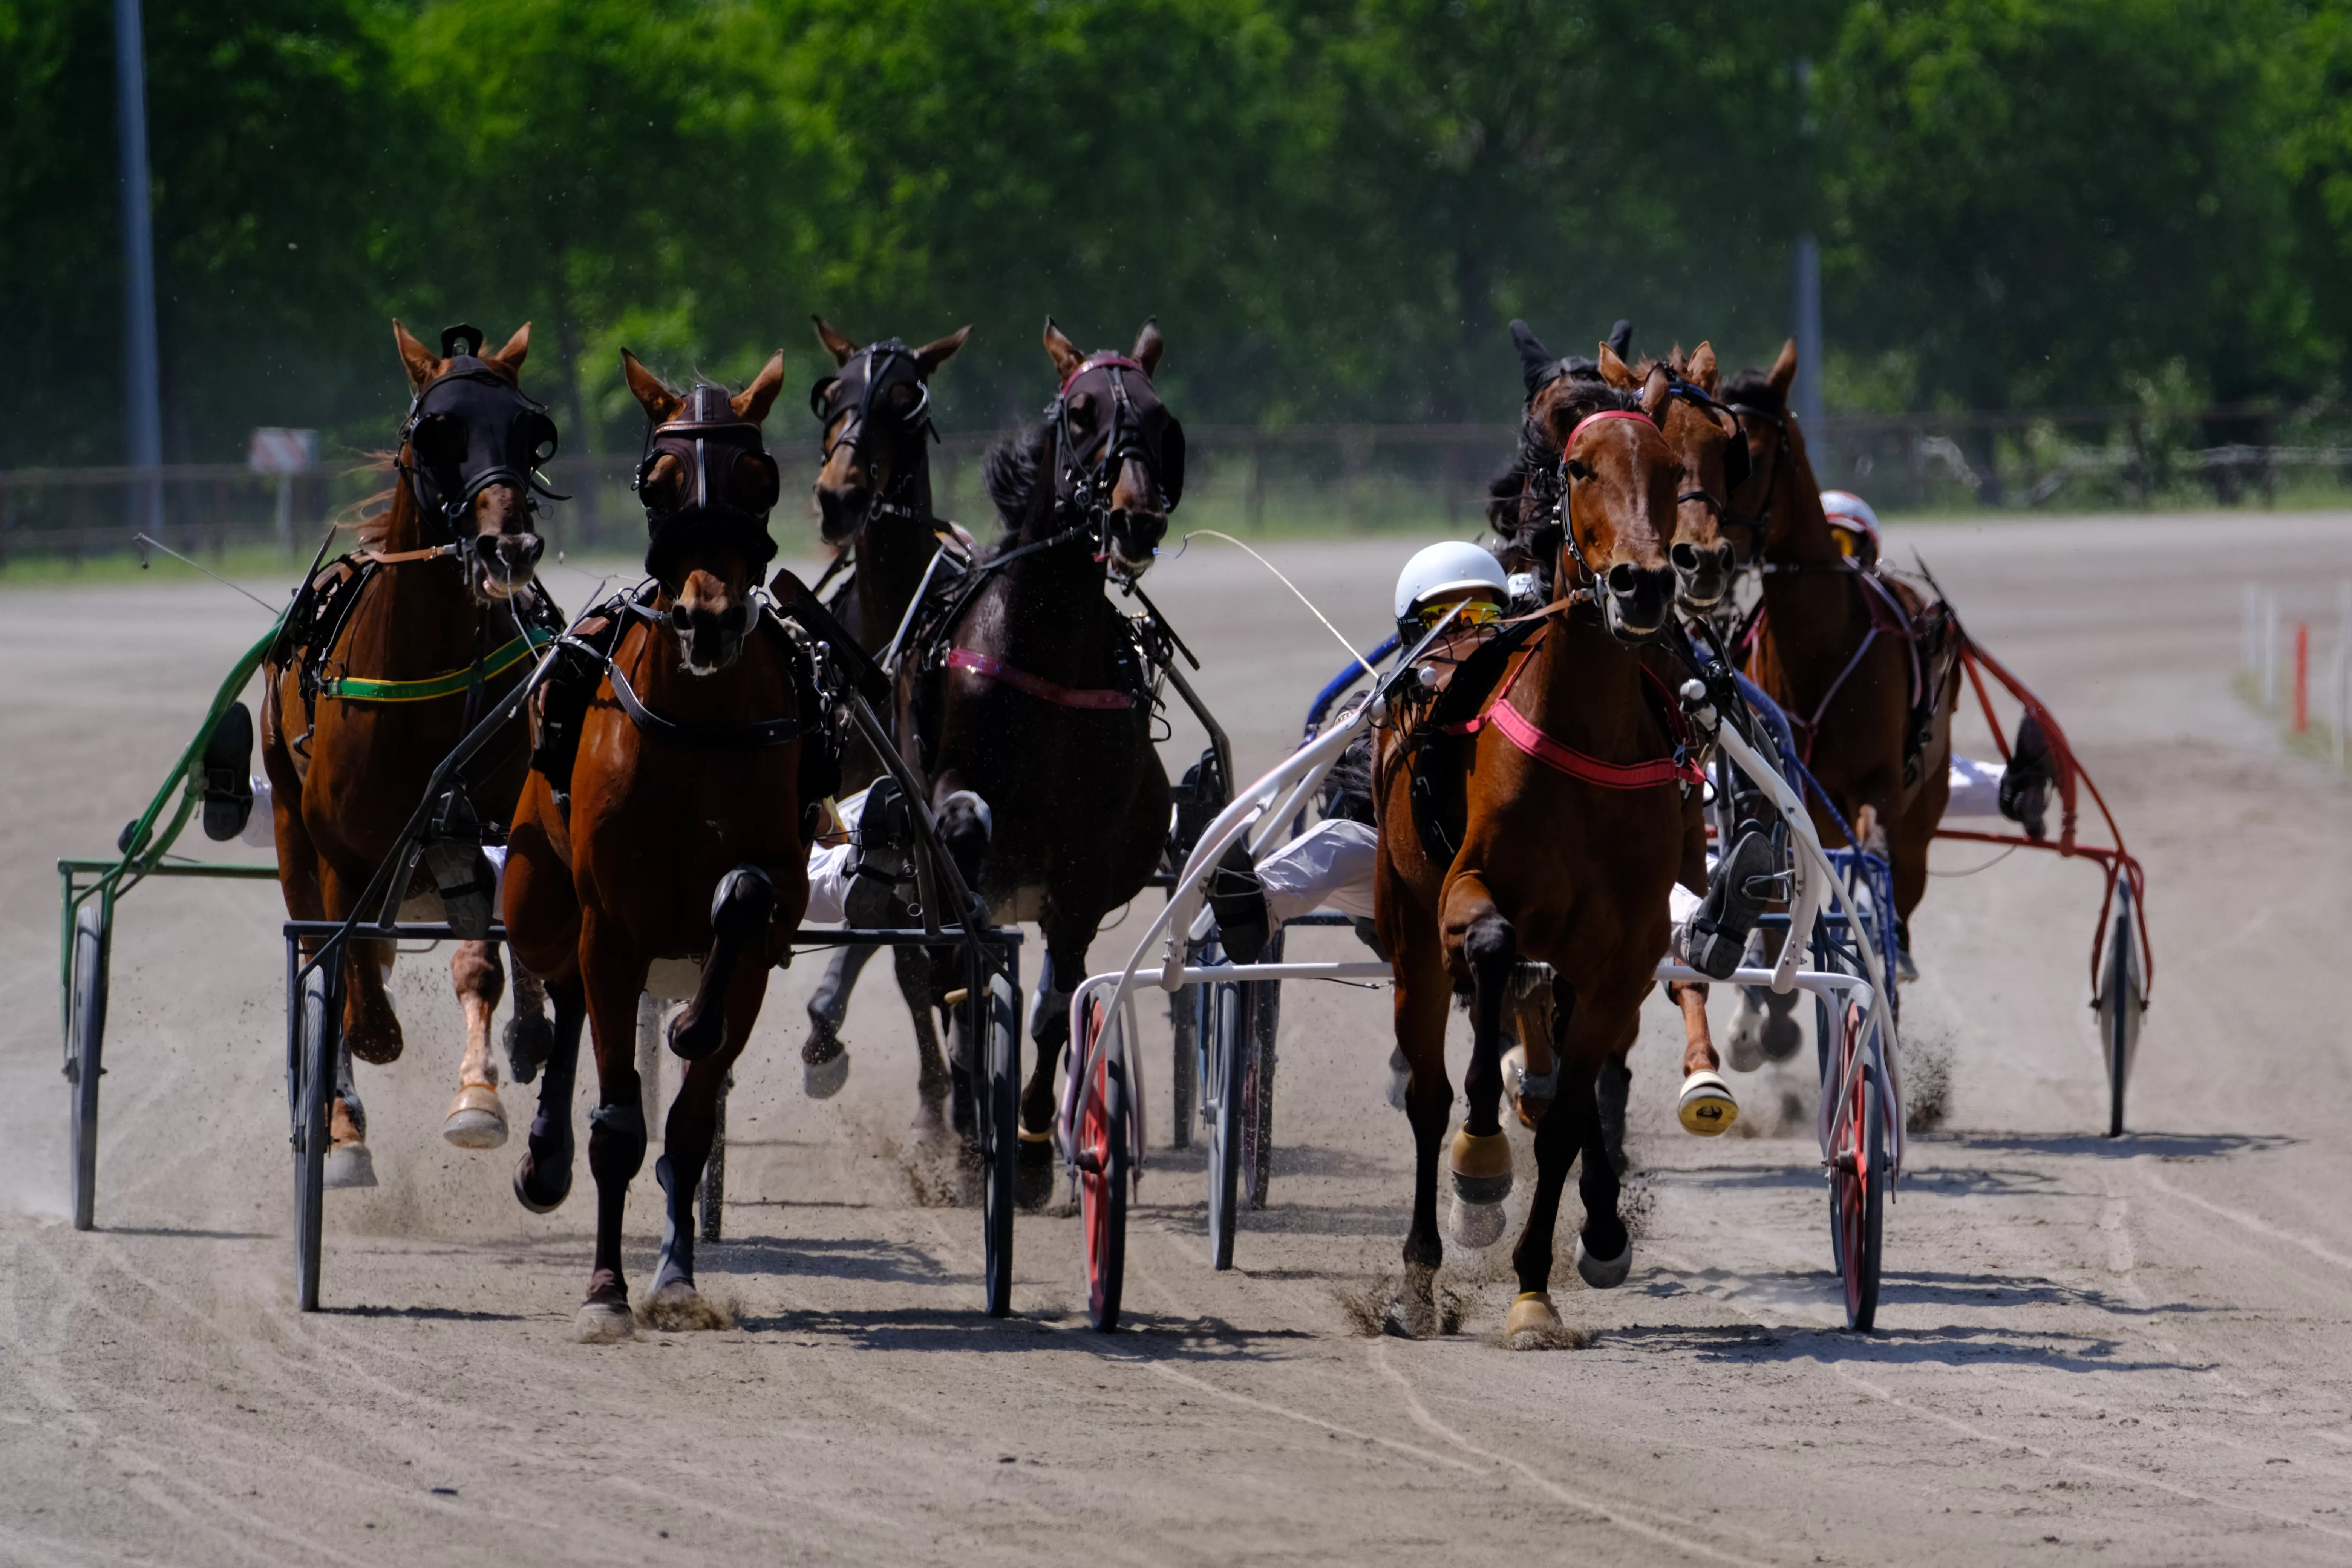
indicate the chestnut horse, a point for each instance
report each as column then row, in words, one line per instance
column 874, row 501
column 1697, row 432
column 1573, row 831
column 1869, row 698
column 1031, row 689
column 684, row 838
column 390, row 656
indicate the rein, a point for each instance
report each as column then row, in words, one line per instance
column 1037, row 686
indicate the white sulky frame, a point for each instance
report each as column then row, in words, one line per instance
column 1280, row 793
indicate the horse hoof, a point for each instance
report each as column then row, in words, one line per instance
column 1603, row 1273
column 1531, row 1096
column 824, row 1079
column 1033, row 1172
column 1410, row 1318
column 350, row 1165
column 529, row 1041
column 1472, row 1226
column 1400, row 1075
column 603, row 1322
column 1782, row 1035
column 525, row 1169
column 1531, row 1312
column 477, row 1120
column 676, row 1307
column 1707, row 1108
column 1744, row 1047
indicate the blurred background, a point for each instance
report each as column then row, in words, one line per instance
column 2064, row 255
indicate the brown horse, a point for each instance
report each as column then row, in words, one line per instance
column 1854, row 660
column 1562, row 394
column 684, row 836
column 874, row 501
column 1571, row 832
column 1031, row 692
column 390, row 656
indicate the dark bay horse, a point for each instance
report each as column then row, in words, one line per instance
column 1854, row 660
column 1572, row 830
column 684, row 836
column 391, row 655
column 874, row 504
column 1032, row 692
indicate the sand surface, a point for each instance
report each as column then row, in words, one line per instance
column 2124, row 1352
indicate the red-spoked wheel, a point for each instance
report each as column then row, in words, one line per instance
column 1103, row 1175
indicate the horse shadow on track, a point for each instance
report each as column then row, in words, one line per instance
column 1142, row 1336
column 2086, row 1145
column 1955, row 1346
column 865, row 1259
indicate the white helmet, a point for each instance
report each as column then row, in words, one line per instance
column 1457, row 569
column 1846, row 507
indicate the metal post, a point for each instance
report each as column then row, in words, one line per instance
column 142, row 378
column 1805, row 282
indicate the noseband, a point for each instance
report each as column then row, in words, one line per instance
column 881, row 359
column 1568, row 529
column 1735, row 454
column 1739, row 413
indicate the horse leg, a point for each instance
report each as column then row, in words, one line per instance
column 1765, row 1027
column 1422, row 994
column 687, row 1134
column 913, row 966
column 542, row 1179
column 613, row 972
column 1604, row 1249
column 738, row 918
column 349, row 1163
column 1559, row 1137
column 1531, row 1067
column 529, row 1036
column 477, row 1120
column 825, row 1060
column 1480, row 1160
column 1049, row 1028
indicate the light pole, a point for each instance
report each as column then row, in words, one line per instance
column 142, row 379
column 1805, row 283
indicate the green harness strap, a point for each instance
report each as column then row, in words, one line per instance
column 353, row 688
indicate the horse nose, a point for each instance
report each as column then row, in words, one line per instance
column 841, row 509
column 1639, row 597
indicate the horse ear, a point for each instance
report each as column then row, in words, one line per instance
column 754, row 401
column 1535, row 360
column 1615, row 370
column 939, row 351
column 1654, row 389
column 419, row 361
column 1067, row 357
column 1149, row 345
column 1700, row 370
column 839, row 347
column 660, row 403
column 1783, row 373
column 509, row 358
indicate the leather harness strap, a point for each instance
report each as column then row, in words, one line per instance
column 489, row 666
column 1037, row 686
column 395, row 557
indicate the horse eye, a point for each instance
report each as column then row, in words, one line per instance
column 1577, row 470
column 1082, row 408
column 904, row 397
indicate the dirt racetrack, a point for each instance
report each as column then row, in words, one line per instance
column 2137, row 1351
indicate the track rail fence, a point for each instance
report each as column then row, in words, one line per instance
column 1308, row 479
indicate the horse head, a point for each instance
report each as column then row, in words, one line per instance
column 1119, row 453
column 470, row 452
column 875, row 413
column 1768, row 501
column 1621, row 478
column 708, row 484
column 1704, row 437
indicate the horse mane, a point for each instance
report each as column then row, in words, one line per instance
column 1014, row 474
column 369, row 519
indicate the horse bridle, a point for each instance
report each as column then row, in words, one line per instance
column 881, row 359
column 1089, row 492
column 508, row 436
column 719, row 447
column 1699, row 397
column 1757, row 525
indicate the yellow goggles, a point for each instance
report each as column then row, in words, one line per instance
column 1473, row 612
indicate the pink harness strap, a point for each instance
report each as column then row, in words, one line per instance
column 1529, row 737
column 1036, row 685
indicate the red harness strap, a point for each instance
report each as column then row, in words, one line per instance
column 1036, row 685
column 1529, row 737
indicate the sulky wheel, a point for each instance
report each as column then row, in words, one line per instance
column 1228, row 1046
column 85, row 1049
column 2121, row 998
column 1858, row 1191
column 311, row 1083
column 1261, row 1013
column 998, row 1091
column 1184, row 1063
column 1102, row 1187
